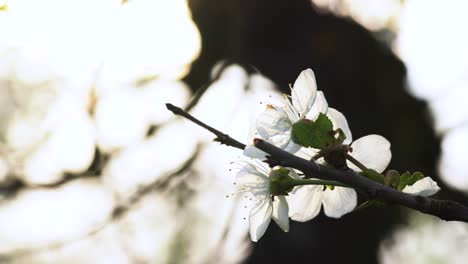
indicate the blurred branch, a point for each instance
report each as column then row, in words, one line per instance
column 158, row 185
column 444, row 209
column 120, row 211
column 199, row 93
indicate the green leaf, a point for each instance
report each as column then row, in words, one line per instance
column 373, row 175
column 316, row 134
column 416, row 177
column 406, row 179
column 341, row 136
column 392, row 178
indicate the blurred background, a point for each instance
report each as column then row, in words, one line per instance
column 94, row 169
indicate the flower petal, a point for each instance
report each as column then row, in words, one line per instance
column 424, row 187
column 320, row 106
column 289, row 109
column 255, row 153
column 280, row 212
column 273, row 121
column 254, row 179
column 305, row 202
column 303, row 92
column 282, row 141
column 339, row 201
column 291, row 147
column 260, row 217
column 307, row 153
column 339, row 121
column 293, row 173
column 249, row 174
column 373, row 151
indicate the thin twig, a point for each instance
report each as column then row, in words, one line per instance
column 220, row 137
column 298, row 182
column 444, row 209
column 356, row 162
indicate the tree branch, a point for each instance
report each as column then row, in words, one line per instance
column 444, row 209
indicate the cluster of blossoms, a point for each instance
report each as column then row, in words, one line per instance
column 283, row 193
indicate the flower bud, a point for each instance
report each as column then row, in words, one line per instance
column 280, row 181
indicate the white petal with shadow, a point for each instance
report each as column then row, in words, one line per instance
column 373, row 151
column 280, row 212
column 339, row 201
column 320, row 106
column 423, row 187
column 339, row 121
column 260, row 217
column 305, row 202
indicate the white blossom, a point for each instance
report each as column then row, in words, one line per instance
column 65, row 97
column 305, row 201
column 275, row 123
column 254, row 179
column 44, row 216
column 426, row 240
column 275, row 126
column 373, row 151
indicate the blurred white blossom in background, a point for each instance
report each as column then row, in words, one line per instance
column 103, row 173
column 373, row 14
column 431, row 41
column 426, row 240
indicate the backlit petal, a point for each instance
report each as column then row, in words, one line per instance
column 260, row 217
column 339, row 121
column 304, row 91
column 253, row 152
column 320, row 106
column 282, row 141
column 307, row 153
column 280, row 212
column 292, row 147
column 289, row 109
column 250, row 175
column 273, row 121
